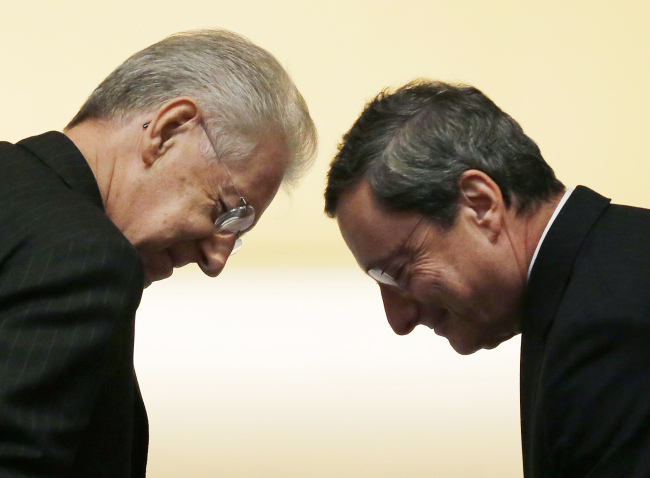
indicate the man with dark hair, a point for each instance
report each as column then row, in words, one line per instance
column 450, row 207
column 173, row 157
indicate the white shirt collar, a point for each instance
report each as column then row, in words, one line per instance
column 548, row 226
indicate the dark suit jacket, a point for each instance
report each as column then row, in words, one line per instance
column 70, row 284
column 585, row 351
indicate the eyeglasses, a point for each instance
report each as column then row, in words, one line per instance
column 380, row 275
column 238, row 219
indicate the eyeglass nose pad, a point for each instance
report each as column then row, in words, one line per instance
column 236, row 247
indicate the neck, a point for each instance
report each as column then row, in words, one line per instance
column 535, row 225
column 524, row 233
column 104, row 144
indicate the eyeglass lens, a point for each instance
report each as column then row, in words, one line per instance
column 382, row 277
column 235, row 221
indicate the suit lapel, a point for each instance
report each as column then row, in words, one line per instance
column 549, row 277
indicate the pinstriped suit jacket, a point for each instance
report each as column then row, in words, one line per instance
column 70, row 284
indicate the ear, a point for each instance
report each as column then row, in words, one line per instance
column 171, row 119
column 482, row 202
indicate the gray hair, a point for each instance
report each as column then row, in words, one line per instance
column 413, row 145
column 241, row 88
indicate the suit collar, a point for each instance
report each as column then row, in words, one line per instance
column 548, row 280
column 552, row 269
column 558, row 208
column 59, row 153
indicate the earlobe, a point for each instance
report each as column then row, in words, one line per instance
column 151, row 145
column 481, row 198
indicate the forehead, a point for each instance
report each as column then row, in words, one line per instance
column 371, row 231
column 258, row 177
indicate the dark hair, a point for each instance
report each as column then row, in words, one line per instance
column 413, row 145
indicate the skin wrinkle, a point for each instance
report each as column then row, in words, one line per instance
column 443, row 308
column 521, row 263
column 427, row 273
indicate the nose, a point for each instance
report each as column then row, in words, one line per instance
column 401, row 310
column 214, row 252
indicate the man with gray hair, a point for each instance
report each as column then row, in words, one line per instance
column 173, row 157
column 451, row 209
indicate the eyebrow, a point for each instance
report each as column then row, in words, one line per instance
column 374, row 264
column 388, row 259
column 397, row 252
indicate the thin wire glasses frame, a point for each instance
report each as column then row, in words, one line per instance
column 380, row 275
column 235, row 220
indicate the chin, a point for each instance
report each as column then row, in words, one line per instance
column 464, row 349
column 151, row 276
column 157, row 266
column 162, row 275
column 468, row 347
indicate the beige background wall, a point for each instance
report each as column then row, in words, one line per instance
column 284, row 366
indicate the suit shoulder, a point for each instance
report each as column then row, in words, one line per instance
column 37, row 208
column 611, row 275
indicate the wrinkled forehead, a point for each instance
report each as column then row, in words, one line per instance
column 371, row 231
column 259, row 176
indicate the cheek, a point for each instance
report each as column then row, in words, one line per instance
column 501, row 292
column 425, row 284
column 443, row 286
column 184, row 215
column 157, row 230
column 482, row 284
